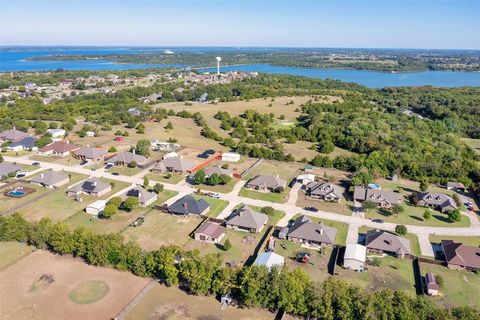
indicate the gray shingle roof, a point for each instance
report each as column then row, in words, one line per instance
column 460, row 254
column 304, row 228
column 141, row 193
column 324, row 188
column 217, row 170
column 127, row 157
column 13, row 135
column 49, row 178
column 377, row 196
column 26, row 143
column 175, row 164
column 90, row 153
column 91, row 185
column 211, row 229
column 267, row 181
column 437, row 199
column 387, row 242
column 187, row 205
column 7, row 167
column 246, row 217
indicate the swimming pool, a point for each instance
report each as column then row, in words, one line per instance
column 16, row 194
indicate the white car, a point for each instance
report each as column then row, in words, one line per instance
column 214, row 195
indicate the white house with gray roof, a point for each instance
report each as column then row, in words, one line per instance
column 311, row 233
column 247, row 219
column 50, row 179
column 266, row 183
column 27, row 143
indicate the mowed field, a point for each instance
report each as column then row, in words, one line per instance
column 45, row 286
column 163, row 303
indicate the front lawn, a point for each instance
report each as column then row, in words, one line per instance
column 216, row 205
column 265, row 196
column 172, row 178
column 219, row 188
column 125, row 170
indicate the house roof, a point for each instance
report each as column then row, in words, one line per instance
column 187, row 205
column 431, row 281
column 61, row 146
column 141, row 193
column 99, row 204
column 460, row 254
column 49, row 178
column 304, row 228
column 27, row 143
column 90, row 153
column 91, row 185
column 7, row 167
column 437, row 199
column 127, row 157
column 245, row 217
column 267, row 181
column 453, row 184
column 324, row 188
column 217, row 170
column 306, row 176
column 13, row 135
column 211, row 229
column 175, row 164
column 388, row 242
column 355, row 251
column 376, row 195
column 269, row 259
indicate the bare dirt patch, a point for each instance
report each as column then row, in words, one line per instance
column 53, row 279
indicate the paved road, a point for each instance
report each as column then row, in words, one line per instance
column 291, row 210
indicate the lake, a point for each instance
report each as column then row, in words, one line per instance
column 17, row 60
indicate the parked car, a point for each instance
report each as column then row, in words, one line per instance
column 115, row 174
column 108, row 166
column 138, row 222
column 313, row 209
column 214, row 195
column 378, row 220
column 36, row 163
column 84, row 162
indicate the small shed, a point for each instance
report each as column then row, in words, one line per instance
column 432, row 285
column 230, row 157
column 96, row 207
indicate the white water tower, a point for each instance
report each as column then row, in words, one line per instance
column 218, row 64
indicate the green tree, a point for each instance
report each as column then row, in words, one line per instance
column 146, row 182
column 112, row 149
column 199, row 177
column 424, row 183
column 169, row 126
column 109, row 211
column 427, row 214
column 115, row 201
column 370, row 205
column 132, row 164
column 130, row 204
column 158, row 188
column 143, row 147
column 454, row 215
column 401, row 229
column 362, row 178
column 225, row 179
column 269, row 211
column 214, row 179
column 227, row 245
column 397, row 209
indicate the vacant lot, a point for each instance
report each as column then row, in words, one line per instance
column 12, row 251
column 162, row 229
column 393, row 273
column 171, row 304
column 243, row 246
column 460, row 288
column 116, row 223
column 48, row 290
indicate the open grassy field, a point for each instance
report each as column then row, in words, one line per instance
column 318, row 266
column 265, row 196
column 216, row 205
column 240, row 251
column 171, row 304
column 125, row 170
column 161, row 228
column 171, row 178
column 219, row 188
column 460, row 288
column 164, row 196
column 11, row 251
column 9, row 203
column 342, row 228
column 60, row 287
column 283, row 170
column 471, row 241
column 344, row 207
column 393, row 273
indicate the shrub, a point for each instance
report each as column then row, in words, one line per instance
column 115, row 201
column 427, row 215
column 132, row 164
column 376, row 262
column 268, row 211
column 109, row 211
column 227, row 245
column 401, row 229
column 158, row 187
column 130, row 204
column 440, row 280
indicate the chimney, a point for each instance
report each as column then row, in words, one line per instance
column 41, row 175
column 133, row 151
column 94, row 183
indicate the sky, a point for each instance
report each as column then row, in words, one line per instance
column 441, row 24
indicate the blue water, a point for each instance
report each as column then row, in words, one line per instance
column 16, row 60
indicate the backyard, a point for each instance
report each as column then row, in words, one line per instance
column 265, row 196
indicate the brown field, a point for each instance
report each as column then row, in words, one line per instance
column 172, row 304
column 26, row 296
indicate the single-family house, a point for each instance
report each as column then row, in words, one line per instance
column 456, row 186
column 189, row 205
column 92, row 186
column 96, row 208
column 145, row 197
column 173, row 164
column 87, row 153
column 218, row 170
column 230, row 157
column 56, row 133
column 311, row 233
column 210, row 232
column 154, row 97
column 306, row 178
column 438, row 201
column 7, row 168
column 383, row 198
column 269, row 259
column 460, row 256
column 247, row 219
column 431, row 284
column 324, row 191
column 12, row 135
column 89, row 133
column 266, row 183
column 27, row 143
column 354, row 257
column 60, row 148
column 124, row 158
column 384, row 242
column 50, row 179
column 136, row 112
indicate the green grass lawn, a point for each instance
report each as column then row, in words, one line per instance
column 11, row 251
column 172, row 178
column 162, row 229
column 393, row 273
column 284, row 170
column 8, row 203
column 471, row 241
column 216, row 205
column 89, row 292
column 274, row 218
column 239, row 252
column 265, row 196
column 117, row 223
column 460, row 288
column 164, row 196
column 342, row 228
column 125, row 170
column 219, row 188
